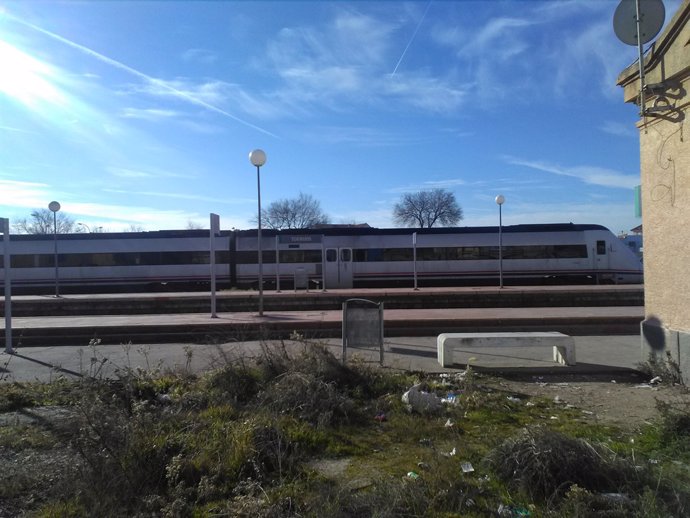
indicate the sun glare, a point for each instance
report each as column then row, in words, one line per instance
column 25, row 78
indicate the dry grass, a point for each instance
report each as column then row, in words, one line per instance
column 240, row 440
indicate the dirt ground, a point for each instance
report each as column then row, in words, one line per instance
column 627, row 404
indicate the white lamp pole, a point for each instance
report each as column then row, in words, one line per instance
column 88, row 228
column 500, row 200
column 54, row 207
column 258, row 158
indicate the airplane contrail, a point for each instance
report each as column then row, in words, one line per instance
column 141, row 75
column 411, row 39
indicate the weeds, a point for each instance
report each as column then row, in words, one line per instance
column 241, row 441
column 544, row 464
column 665, row 369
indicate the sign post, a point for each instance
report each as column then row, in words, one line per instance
column 414, row 258
column 7, row 270
column 215, row 231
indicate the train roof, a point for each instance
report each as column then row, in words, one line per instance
column 359, row 231
column 336, row 231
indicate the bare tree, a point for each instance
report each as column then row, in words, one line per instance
column 41, row 222
column 193, row 225
column 134, row 228
column 427, row 208
column 301, row 212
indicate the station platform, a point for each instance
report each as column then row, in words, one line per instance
column 176, row 330
column 242, row 326
column 599, row 358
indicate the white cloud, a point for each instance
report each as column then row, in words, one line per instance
column 432, row 94
column 124, row 172
column 588, row 174
column 619, row 129
column 616, row 217
column 449, row 183
column 149, row 114
column 362, row 136
column 182, row 196
column 498, row 37
column 349, row 62
column 23, row 194
column 207, row 57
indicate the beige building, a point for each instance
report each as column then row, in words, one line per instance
column 665, row 180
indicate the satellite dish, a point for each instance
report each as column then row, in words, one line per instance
column 652, row 15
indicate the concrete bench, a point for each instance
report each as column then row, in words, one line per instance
column 563, row 345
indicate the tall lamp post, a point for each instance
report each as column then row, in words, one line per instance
column 500, row 200
column 88, row 228
column 54, row 207
column 258, row 158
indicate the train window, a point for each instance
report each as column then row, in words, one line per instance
column 365, row 255
column 397, row 254
column 569, row 251
column 247, row 257
column 300, row 256
column 345, row 255
column 22, row 261
column 430, row 254
column 601, row 247
column 331, row 255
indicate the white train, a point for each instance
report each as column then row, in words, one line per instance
column 347, row 257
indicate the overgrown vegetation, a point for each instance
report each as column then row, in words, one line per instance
column 296, row 433
column 663, row 368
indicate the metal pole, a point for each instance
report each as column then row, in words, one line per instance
column 8, row 284
column 261, row 273
column 215, row 227
column 640, row 52
column 57, row 281
column 277, row 265
column 323, row 266
column 414, row 258
column 500, row 246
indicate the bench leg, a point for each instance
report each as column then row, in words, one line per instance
column 564, row 355
column 444, row 354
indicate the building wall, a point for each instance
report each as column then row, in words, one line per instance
column 665, row 180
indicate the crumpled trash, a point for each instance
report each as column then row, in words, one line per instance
column 655, row 380
column 450, row 453
column 421, row 402
column 164, row 399
column 617, row 497
column 449, row 423
column 380, row 417
column 467, row 467
column 412, row 475
column 451, row 398
column 509, row 511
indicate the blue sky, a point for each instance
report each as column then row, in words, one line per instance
column 143, row 113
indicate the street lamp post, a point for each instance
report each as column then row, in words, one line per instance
column 500, row 200
column 88, row 228
column 54, row 207
column 258, row 158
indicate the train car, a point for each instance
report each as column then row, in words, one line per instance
column 339, row 257
column 370, row 257
column 115, row 262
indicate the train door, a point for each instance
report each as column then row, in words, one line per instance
column 602, row 259
column 338, row 268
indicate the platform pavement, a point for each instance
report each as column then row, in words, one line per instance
column 62, row 341
column 197, row 327
column 598, row 356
